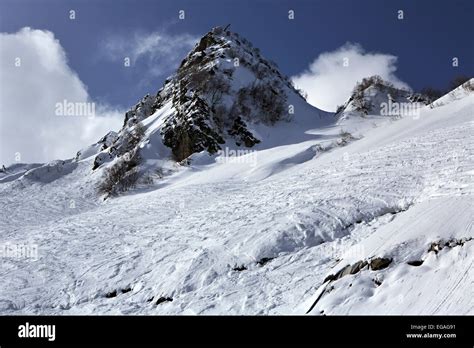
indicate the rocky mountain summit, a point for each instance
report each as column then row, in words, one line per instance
column 221, row 89
column 373, row 95
column 221, row 95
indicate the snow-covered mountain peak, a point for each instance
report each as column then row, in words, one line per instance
column 223, row 81
column 375, row 96
column 222, row 90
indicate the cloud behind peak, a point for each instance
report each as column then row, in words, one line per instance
column 330, row 78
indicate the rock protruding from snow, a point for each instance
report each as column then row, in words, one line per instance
column 222, row 85
column 375, row 96
column 221, row 90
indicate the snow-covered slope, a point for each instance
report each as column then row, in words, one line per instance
column 271, row 230
column 16, row 170
column 224, row 95
column 458, row 93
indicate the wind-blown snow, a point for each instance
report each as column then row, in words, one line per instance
column 258, row 237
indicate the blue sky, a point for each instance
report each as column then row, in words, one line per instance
column 82, row 60
column 431, row 33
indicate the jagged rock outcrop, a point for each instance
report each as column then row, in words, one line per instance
column 221, row 89
column 375, row 96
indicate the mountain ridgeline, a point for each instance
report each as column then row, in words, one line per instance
column 221, row 88
column 369, row 95
column 223, row 92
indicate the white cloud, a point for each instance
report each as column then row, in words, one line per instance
column 29, row 93
column 329, row 83
column 157, row 52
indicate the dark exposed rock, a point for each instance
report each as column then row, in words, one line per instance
column 355, row 268
column 114, row 293
column 206, row 41
column 415, row 263
column 189, row 132
column 379, row 263
column 330, row 277
column 358, row 266
column 163, row 299
column 377, row 281
column 263, row 261
column 98, row 160
column 375, row 264
column 239, row 268
column 349, row 269
column 437, row 246
column 111, row 294
column 242, row 134
column 144, row 108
